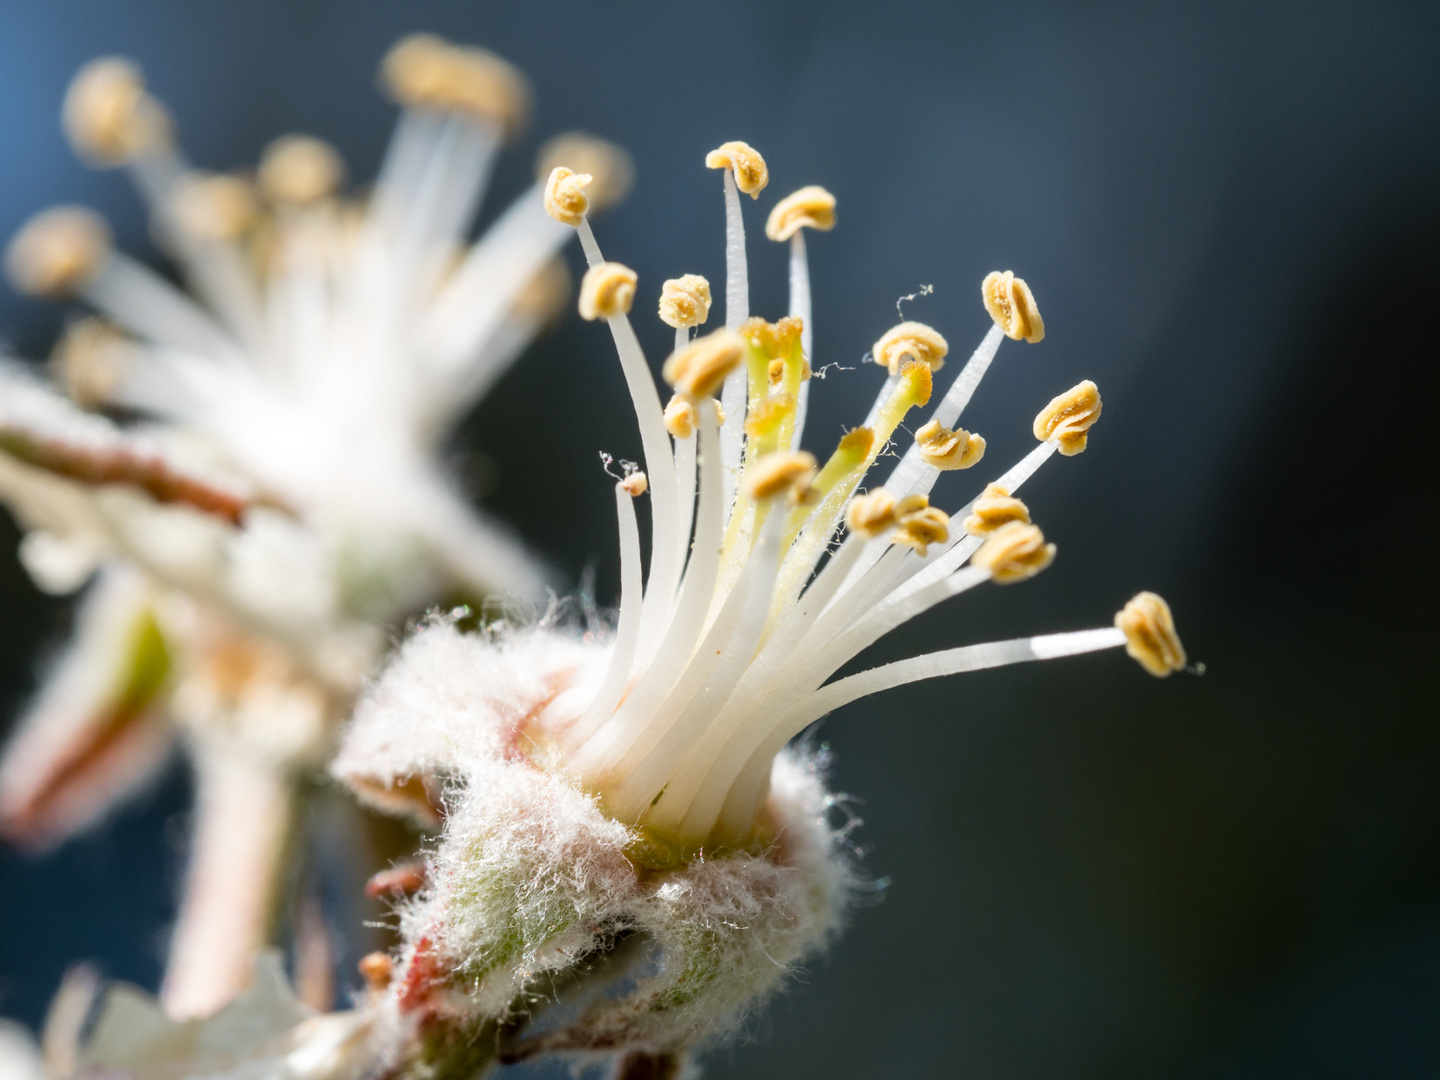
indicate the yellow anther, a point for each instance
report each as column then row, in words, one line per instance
column 776, row 371
column 685, row 301
column 298, row 169
column 609, row 167
column 681, row 416
column 565, row 198
column 425, row 71
column 773, row 474
column 215, row 207
column 944, row 449
column 1068, row 417
column 698, row 370
column 607, row 291
column 745, row 162
column 719, row 413
column 809, row 208
column 1012, row 305
column 415, row 71
column 995, row 508
column 1150, row 634
column 109, row 117
column 920, row 526
column 772, row 339
column 57, row 252
column 543, row 300
column 635, row 485
column 489, row 89
column 871, row 514
column 910, row 504
column 89, row 361
column 915, row 340
column 1014, row 552
column 767, row 415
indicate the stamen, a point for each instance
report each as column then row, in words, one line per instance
column 425, row 71
column 685, row 301
column 681, row 417
column 920, row 526
column 781, row 472
column 1012, row 305
column 609, row 167
column 297, row 170
column 607, row 291
column 213, row 207
column 565, row 198
column 1068, row 417
column 809, row 208
column 109, row 117
column 90, row 360
column 911, row 340
column 699, row 370
column 1150, row 636
column 993, row 509
column 635, row 484
column 1014, row 552
column 627, row 627
column 744, row 163
column 871, row 514
column 58, row 252
column 944, row 449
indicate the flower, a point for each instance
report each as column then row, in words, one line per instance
column 269, row 500
column 625, row 813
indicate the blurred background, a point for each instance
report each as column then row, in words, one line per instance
column 1228, row 215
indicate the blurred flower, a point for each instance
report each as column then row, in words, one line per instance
column 624, row 830
column 264, row 499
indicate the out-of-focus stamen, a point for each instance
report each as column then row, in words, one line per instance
column 297, row 170
column 58, row 252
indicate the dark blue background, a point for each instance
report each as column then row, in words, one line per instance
column 1228, row 213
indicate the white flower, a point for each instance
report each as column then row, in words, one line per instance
column 594, row 792
column 280, row 505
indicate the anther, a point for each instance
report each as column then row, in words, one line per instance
column 945, row 450
column 681, row 417
column 425, row 71
column 108, row 116
column 1014, row 552
column 609, row 167
column 377, row 968
column 565, row 198
column 1012, row 305
column 685, row 301
column 1150, row 636
column 607, row 291
column 1068, row 417
column 698, row 371
column 912, row 339
column 781, row 472
column 871, row 514
column 745, row 162
column 776, row 372
column 994, row 508
column 488, row 88
column 918, row 524
column 215, row 207
column 809, row 208
column 57, row 252
column 635, row 485
column 89, row 361
column 297, row 169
